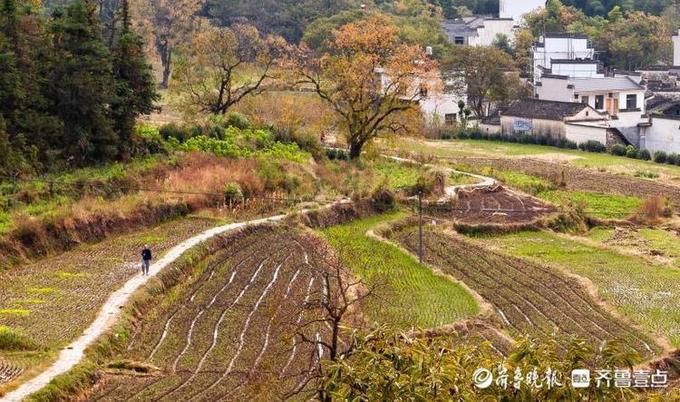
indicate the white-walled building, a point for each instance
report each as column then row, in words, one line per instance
column 478, row 31
column 571, row 53
column 617, row 96
column 483, row 30
column 437, row 98
column 575, row 68
column 676, row 49
column 559, row 120
column 517, row 9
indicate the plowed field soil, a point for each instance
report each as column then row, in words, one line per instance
column 579, row 178
column 528, row 298
column 496, row 205
column 231, row 335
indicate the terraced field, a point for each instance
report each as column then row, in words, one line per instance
column 528, row 298
column 53, row 300
column 492, row 205
column 231, row 335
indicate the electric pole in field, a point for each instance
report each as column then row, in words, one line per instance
column 420, row 226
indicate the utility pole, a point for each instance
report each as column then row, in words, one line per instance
column 420, row 226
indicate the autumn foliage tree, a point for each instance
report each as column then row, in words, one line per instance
column 166, row 23
column 221, row 66
column 369, row 77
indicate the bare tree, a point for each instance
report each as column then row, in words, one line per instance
column 329, row 312
column 221, row 66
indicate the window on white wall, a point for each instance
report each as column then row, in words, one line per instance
column 631, row 102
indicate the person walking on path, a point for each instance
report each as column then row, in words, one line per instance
column 146, row 260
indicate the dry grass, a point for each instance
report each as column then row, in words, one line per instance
column 654, row 210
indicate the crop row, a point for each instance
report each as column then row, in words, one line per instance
column 528, row 298
column 232, row 335
column 8, row 371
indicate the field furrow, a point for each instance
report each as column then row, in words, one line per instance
column 529, row 298
column 234, row 336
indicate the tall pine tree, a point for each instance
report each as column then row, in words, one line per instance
column 135, row 91
column 83, row 86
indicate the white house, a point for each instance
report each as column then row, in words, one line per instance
column 562, row 120
column 483, row 30
column 662, row 133
column 571, row 53
column 438, row 98
column 575, row 68
column 517, row 9
column 620, row 97
column 478, row 31
column 676, row 49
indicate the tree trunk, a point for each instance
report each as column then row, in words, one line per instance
column 166, row 58
column 355, row 150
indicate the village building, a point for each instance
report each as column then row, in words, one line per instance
column 483, row 30
column 662, row 132
column 478, row 30
column 517, row 9
column 567, row 54
column 439, row 98
column 622, row 99
column 571, row 121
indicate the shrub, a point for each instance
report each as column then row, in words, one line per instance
column 572, row 220
column 430, row 182
column 148, row 141
column 233, row 193
column 216, row 132
column 644, row 155
column 592, row 146
column 654, row 209
column 672, row 159
column 222, row 148
column 660, row 157
column 383, row 199
column 645, row 174
column 631, row 152
column 12, row 340
column 238, row 120
column 619, row 150
column 172, row 130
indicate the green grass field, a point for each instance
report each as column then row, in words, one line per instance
column 647, row 293
column 659, row 243
column 410, row 294
column 606, row 206
column 397, row 175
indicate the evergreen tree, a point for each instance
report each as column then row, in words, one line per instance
column 135, row 91
column 82, row 86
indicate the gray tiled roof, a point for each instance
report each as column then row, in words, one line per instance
column 604, row 84
column 544, row 109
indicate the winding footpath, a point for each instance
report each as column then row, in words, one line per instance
column 111, row 310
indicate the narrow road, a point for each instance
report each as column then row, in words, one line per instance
column 110, row 311
column 73, row 354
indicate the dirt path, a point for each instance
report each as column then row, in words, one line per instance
column 109, row 313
